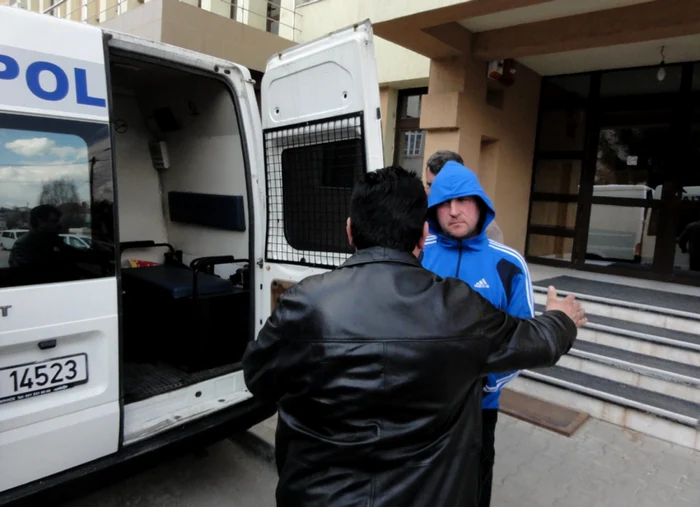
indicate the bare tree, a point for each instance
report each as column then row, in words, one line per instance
column 63, row 194
column 59, row 192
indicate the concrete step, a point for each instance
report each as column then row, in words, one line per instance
column 659, row 375
column 644, row 339
column 653, row 413
column 641, row 314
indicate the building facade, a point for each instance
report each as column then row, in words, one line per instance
column 244, row 31
column 588, row 139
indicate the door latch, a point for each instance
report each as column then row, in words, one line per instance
column 4, row 310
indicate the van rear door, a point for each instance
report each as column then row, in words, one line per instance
column 322, row 131
column 59, row 340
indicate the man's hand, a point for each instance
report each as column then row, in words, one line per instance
column 568, row 305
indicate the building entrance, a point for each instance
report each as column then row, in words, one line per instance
column 616, row 178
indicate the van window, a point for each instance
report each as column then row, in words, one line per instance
column 316, row 167
column 55, row 175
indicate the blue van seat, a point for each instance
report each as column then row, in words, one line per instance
column 176, row 282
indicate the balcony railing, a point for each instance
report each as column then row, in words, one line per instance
column 274, row 16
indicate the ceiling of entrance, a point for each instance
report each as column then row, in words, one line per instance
column 553, row 36
column 542, row 12
column 680, row 49
column 685, row 48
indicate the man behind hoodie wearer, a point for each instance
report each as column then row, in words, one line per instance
column 459, row 211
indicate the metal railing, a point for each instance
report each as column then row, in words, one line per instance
column 237, row 12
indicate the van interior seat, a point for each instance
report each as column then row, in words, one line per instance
column 177, row 282
column 183, row 314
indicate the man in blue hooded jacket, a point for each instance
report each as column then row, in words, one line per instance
column 459, row 211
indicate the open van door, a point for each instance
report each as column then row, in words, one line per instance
column 59, row 331
column 322, row 131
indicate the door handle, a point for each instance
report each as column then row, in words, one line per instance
column 47, row 344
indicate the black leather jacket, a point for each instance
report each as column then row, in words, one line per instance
column 377, row 369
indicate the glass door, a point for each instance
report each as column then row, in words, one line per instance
column 638, row 142
column 557, row 170
column 686, row 194
column 616, row 176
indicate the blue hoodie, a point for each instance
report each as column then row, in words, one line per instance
column 497, row 272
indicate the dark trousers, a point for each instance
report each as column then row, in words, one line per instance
column 488, row 455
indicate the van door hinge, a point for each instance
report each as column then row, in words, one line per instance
column 260, row 263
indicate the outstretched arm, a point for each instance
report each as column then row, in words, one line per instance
column 518, row 344
column 521, row 305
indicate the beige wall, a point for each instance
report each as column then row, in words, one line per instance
column 199, row 30
column 189, row 27
column 496, row 142
column 250, row 12
column 144, row 21
column 396, row 66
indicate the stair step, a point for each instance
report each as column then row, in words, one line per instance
column 612, row 409
column 656, row 374
column 659, row 342
column 641, row 315
column 629, row 374
column 671, row 371
column 661, row 405
column 648, row 299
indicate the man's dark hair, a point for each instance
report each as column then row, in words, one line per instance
column 388, row 209
column 42, row 212
column 438, row 159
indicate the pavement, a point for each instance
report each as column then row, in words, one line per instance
column 601, row 465
column 226, row 474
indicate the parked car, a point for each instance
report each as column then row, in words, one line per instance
column 8, row 238
column 77, row 240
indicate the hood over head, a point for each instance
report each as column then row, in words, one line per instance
column 455, row 181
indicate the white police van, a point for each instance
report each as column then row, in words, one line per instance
column 198, row 215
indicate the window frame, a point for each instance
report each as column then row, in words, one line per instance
column 97, row 138
column 278, row 247
column 404, row 125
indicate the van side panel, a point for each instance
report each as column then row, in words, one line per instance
column 59, row 339
column 51, row 66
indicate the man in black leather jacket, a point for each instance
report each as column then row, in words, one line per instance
column 377, row 366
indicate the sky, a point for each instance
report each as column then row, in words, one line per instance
column 28, row 159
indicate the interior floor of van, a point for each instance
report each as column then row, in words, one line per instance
column 182, row 213
column 145, row 380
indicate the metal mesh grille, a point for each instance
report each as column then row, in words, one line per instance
column 311, row 170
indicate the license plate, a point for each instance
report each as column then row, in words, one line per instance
column 35, row 379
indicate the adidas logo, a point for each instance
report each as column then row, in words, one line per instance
column 482, row 284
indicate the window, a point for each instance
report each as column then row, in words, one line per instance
column 410, row 138
column 55, row 177
column 273, row 16
column 311, row 171
column 413, row 143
